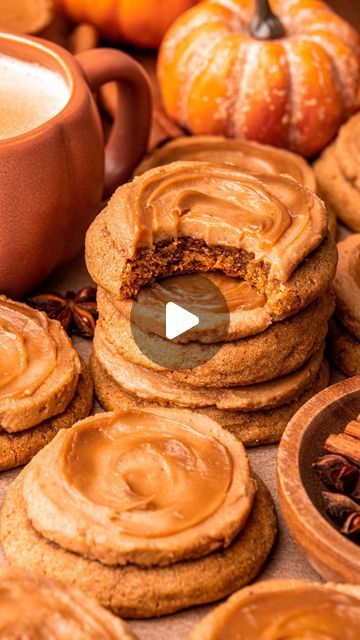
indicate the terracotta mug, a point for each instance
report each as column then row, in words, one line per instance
column 53, row 177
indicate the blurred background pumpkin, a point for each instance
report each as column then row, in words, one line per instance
column 138, row 22
column 26, row 16
column 231, row 67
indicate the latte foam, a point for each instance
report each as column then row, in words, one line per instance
column 30, row 94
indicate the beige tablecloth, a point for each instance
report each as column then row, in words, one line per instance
column 286, row 561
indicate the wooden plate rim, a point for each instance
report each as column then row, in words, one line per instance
column 292, row 492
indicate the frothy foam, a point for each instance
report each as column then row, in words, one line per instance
column 30, row 94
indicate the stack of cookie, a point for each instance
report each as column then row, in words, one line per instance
column 44, row 387
column 344, row 335
column 184, row 522
column 267, row 237
column 338, row 174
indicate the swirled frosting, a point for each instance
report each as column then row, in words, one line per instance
column 248, row 156
column 27, row 351
column 156, row 386
column 35, row 608
column 347, row 284
column 273, row 218
column 39, row 369
column 237, row 293
column 148, row 487
column 239, row 306
column 285, row 610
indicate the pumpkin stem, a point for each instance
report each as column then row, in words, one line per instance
column 265, row 25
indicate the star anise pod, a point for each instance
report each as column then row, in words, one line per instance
column 339, row 506
column 77, row 312
column 338, row 473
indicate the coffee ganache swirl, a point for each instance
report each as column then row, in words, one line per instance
column 271, row 217
column 39, row 369
column 248, row 156
column 141, row 486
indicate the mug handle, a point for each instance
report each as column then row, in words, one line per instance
column 130, row 130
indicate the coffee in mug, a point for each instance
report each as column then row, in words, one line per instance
column 31, row 94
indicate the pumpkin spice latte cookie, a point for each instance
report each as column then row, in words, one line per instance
column 249, row 156
column 279, row 349
column 285, row 609
column 44, row 386
column 256, row 414
column 338, row 175
column 194, row 216
column 35, row 607
column 191, row 531
column 344, row 335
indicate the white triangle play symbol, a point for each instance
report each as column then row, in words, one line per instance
column 178, row 320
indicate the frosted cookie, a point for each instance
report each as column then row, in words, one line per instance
column 17, row 449
column 183, row 488
column 344, row 349
column 285, row 609
column 43, row 384
column 338, row 176
column 32, row 606
column 217, row 299
column 197, row 217
column 344, row 334
column 188, row 531
column 249, row 156
column 275, row 351
column 256, row 414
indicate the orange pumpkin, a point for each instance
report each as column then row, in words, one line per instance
column 139, row 22
column 290, row 79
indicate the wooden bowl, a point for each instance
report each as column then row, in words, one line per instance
column 331, row 554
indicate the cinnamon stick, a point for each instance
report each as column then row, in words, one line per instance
column 344, row 445
column 353, row 429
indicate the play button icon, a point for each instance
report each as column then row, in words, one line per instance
column 178, row 320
